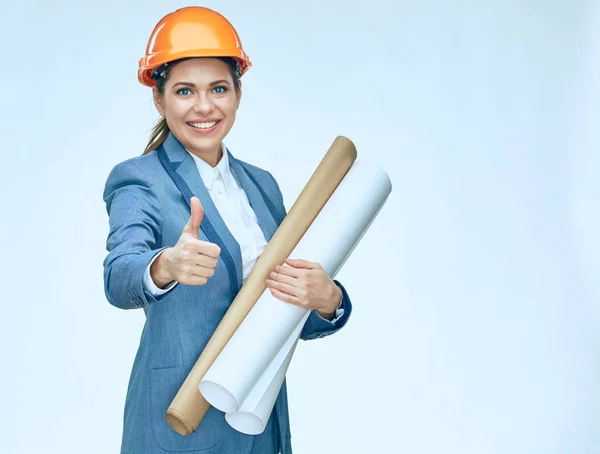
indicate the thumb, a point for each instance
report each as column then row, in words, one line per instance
column 197, row 213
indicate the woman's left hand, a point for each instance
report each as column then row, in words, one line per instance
column 305, row 284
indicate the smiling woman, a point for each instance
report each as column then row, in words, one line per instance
column 188, row 222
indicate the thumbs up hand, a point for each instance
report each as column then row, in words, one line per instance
column 191, row 261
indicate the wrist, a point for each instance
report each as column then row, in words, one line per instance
column 336, row 299
column 327, row 315
column 159, row 271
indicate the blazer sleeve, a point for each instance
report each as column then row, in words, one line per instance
column 316, row 326
column 135, row 224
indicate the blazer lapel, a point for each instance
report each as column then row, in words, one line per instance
column 186, row 167
column 265, row 219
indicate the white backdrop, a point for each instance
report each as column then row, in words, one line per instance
column 476, row 291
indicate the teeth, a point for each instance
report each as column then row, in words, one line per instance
column 203, row 125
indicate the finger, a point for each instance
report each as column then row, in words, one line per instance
column 285, row 297
column 204, row 248
column 280, row 277
column 284, row 288
column 298, row 263
column 205, row 260
column 196, row 215
column 210, row 249
column 194, row 280
column 203, row 271
column 289, row 271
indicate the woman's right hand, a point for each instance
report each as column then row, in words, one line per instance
column 191, row 261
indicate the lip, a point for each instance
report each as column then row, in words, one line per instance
column 204, row 131
column 204, row 120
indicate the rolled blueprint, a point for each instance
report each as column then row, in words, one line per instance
column 189, row 407
column 255, row 359
column 253, row 415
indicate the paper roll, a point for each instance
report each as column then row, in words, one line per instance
column 246, row 368
column 228, row 393
column 189, row 407
column 252, row 417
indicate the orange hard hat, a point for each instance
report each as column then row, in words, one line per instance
column 192, row 31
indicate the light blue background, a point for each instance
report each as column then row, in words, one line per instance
column 476, row 291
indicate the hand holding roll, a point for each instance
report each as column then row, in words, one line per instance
column 305, row 284
column 191, row 261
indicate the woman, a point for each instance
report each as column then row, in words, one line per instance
column 187, row 223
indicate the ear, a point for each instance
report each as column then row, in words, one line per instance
column 158, row 101
column 238, row 95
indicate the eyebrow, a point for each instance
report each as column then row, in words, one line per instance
column 212, row 84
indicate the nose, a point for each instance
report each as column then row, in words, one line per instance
column 204, row 104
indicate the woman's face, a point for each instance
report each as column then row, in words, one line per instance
column 199, row 104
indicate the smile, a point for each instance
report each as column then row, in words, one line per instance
column 206, row 125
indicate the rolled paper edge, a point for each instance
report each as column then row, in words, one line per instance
column 179, row 423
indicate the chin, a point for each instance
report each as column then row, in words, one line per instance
column 205, row 146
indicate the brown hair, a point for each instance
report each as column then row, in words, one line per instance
column 161, row 130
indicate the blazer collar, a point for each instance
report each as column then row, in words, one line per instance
column 266, row 221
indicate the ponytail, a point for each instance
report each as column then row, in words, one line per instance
column 158, row 136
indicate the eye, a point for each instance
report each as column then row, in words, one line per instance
column 219, row 90
column 181, row 90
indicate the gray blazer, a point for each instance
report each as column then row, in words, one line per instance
column 147, row 200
